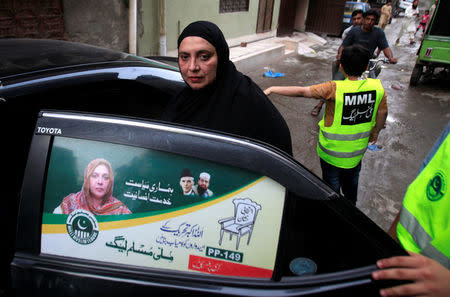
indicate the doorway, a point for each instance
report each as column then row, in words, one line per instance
column 265, row 13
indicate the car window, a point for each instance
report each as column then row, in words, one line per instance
column 168, row 204
column 158, row 183
column 170, row 219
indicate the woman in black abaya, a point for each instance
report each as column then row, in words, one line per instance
column 219, row 97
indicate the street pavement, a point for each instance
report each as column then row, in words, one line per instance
column 417, row 116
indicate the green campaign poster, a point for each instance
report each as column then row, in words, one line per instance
column 131, row 205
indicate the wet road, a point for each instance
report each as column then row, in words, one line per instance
column 417, row 116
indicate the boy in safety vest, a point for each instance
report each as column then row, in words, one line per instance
column 355, row 112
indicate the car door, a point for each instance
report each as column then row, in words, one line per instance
column 267, row 226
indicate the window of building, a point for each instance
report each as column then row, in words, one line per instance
column 233, row 6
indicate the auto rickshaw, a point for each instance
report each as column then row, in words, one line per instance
column 434, row 51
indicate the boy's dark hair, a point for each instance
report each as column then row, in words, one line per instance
column 372, row 12
column 354, row 59
column 358, row 11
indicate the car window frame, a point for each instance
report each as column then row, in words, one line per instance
column 352, row 277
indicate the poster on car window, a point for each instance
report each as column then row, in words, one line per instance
column 130, row 205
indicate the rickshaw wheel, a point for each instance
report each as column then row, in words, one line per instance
column 416, row 74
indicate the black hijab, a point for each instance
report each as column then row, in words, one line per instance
column 233, row 103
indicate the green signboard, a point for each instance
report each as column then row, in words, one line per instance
column 131, row 205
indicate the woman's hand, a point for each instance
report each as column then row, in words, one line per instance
column 267, row 91
column 429, row 277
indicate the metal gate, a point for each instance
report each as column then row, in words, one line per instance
column 31, row 19
column 286, row 17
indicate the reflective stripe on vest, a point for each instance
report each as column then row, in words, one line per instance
column 344, row 143
column 342, row 154
column 345, row 136
column 424, row 225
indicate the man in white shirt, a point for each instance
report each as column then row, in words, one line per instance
column 408, row 23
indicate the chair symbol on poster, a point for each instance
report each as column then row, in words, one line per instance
column 245, row 211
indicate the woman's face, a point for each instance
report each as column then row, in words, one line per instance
column 99, row 182
column 198, row 62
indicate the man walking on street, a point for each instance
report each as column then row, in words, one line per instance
column 408, row 23
column 386, row 12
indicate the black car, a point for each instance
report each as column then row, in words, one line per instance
column 264, row 226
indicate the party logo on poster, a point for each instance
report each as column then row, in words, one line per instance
column 82, row 226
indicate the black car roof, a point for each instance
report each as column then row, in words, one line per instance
column 19, row 56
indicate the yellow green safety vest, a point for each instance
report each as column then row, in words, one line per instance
column 356, row 104
column 424, row 225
